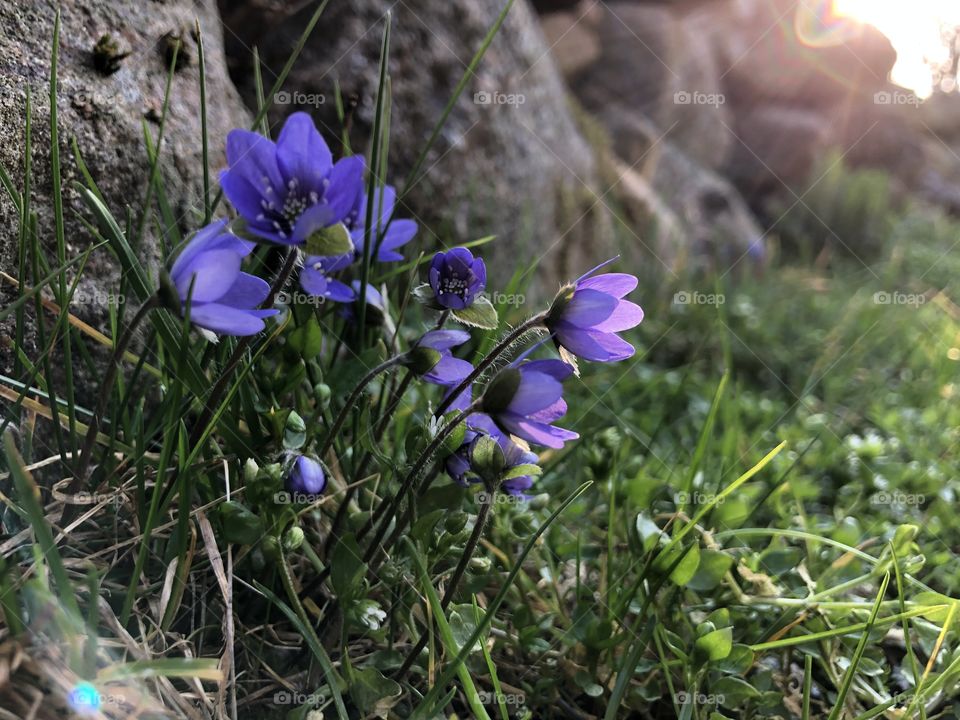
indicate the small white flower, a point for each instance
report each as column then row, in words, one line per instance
column 371, row 615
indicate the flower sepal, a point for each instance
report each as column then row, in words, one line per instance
column 522, row 470
column 560, row 302
column 421, row 359
column 424, row 294
column 500, row 391
column 455, row 439
column 329, row 241
column 168, row 293
column 487, row 459
column 480, row 314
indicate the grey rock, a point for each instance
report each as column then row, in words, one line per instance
column 510, row 161
column 104, row 112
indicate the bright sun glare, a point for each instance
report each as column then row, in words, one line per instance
column 913, row 28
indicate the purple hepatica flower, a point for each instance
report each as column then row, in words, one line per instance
column 515, row 455
column 222, row 299
column 306, row 477
column 586, row 317
column 458, row 464
column 526, row 399
column 289, row 189
column 448, row 371
column 315, row 277
column 396, row 234
column 456, row 278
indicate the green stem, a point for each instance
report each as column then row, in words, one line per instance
column 414, row 473
column 471, row 547
column 486, row 362
column 351, row 401
column 105, row 390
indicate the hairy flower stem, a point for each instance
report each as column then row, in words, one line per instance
column 106, row 388
column 468, row 551
column 411, row 477
column 490, row 358
column 351, row 401
column 381, row 427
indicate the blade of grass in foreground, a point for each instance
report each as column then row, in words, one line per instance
column 847, row 630
column 730, row 489
column 430, row 705
column 28, row 494
column 858, row 654
column 911, row 655
column 705, row 434
column 306, row 629
column 446, row 634
column 373, row 183
column 204, row 136
column 57, row 182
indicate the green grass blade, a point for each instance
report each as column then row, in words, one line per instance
column 57, row 191
column 446, row 634
column 29, row 496
column 704, row 439
column 468, row 74
column 428, row 706
column 313, row 642
column 858, row 653
column 374, row 182
column 204, row 134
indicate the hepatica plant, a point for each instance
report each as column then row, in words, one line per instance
column 360, row 378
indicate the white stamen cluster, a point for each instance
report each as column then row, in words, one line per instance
column 454, row 285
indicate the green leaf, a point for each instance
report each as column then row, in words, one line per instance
column 306, row 340
column 713, row 566
column 715, row 645
column 738, row 662
column 372, row 693
column 463, row 622
column 346, row 567
column 481, row 314
column 649, row 532
column 445, row 497
column 329, row 241
column 424, row 293
column 521, row 470
column 685, row 568
column 939, row 605
column 240, row 524
column 423, row 527
column 732, row 692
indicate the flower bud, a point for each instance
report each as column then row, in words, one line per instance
column 501, row 390
column 306, row 477
column 487, row 458
column 322, row 392
column 422, row 359
column 480, row 564
column 293, row 539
